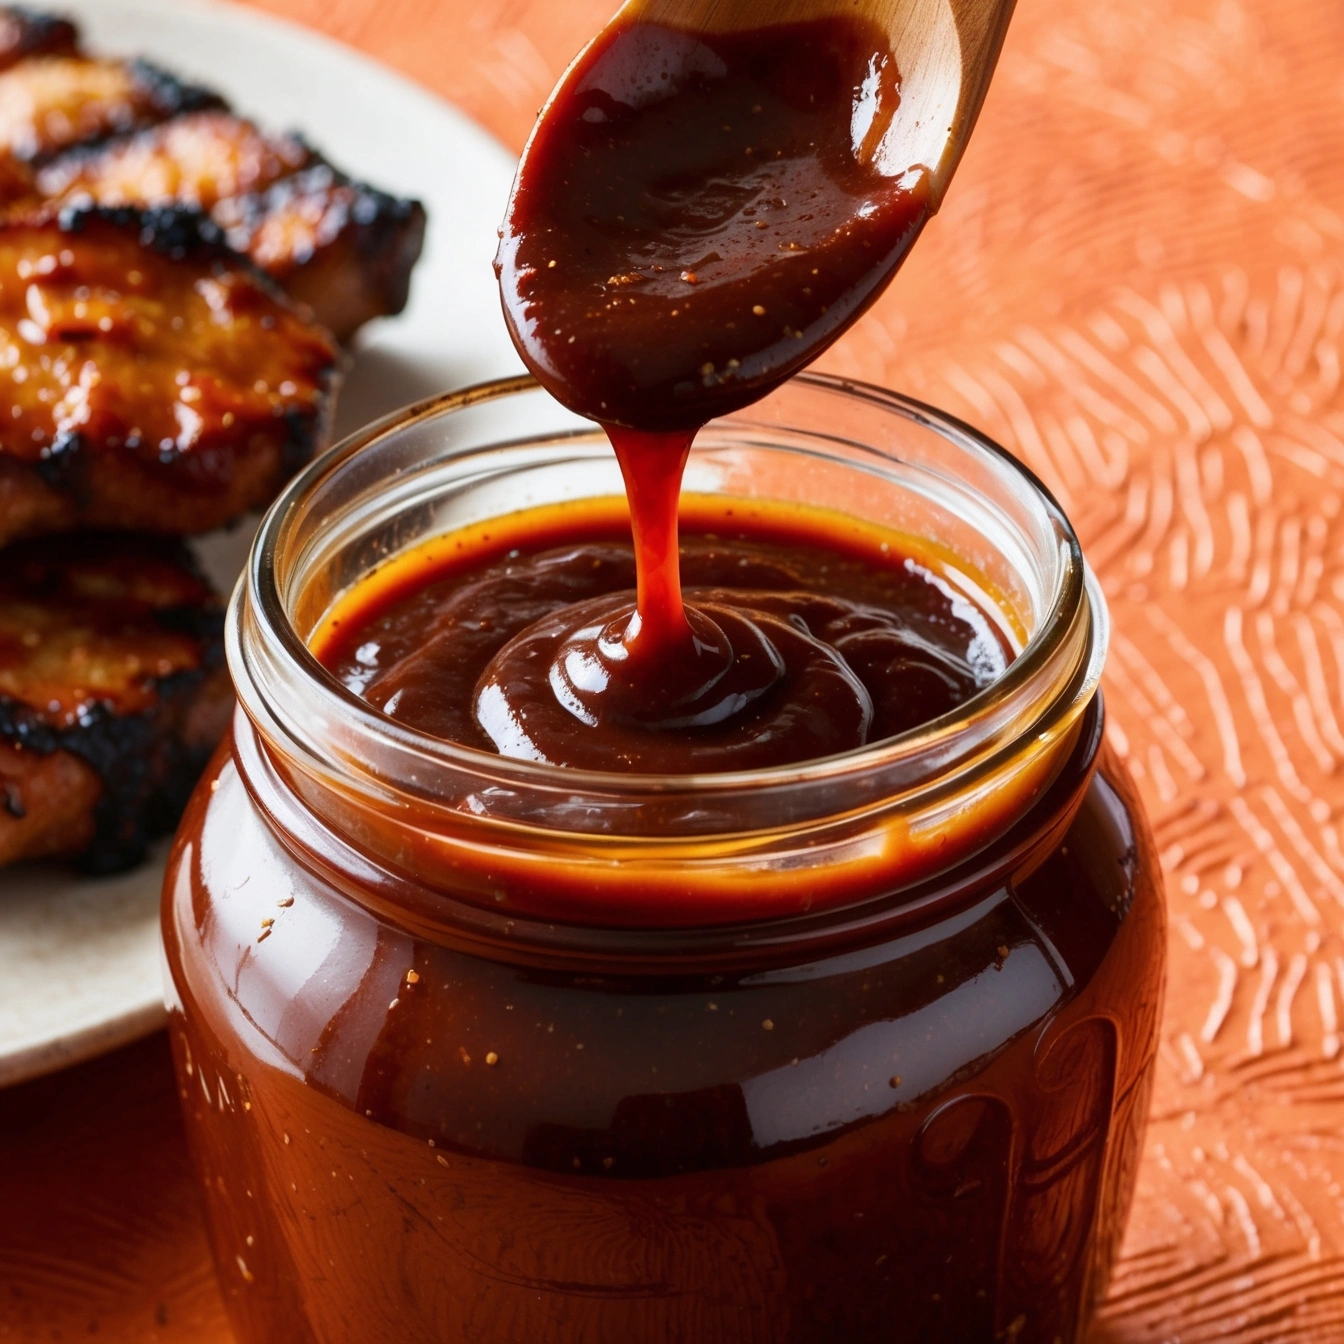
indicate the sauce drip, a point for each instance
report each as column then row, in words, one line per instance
column 695, row 219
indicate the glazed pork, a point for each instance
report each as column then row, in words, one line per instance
column 171, row 277
column 80, row 129
column 150, row 378
column 345, row 249
column 113, row 693
column 200, row 159
column 50, row 103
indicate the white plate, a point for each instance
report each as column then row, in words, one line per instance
column 79, row 958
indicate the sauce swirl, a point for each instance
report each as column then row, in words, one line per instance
column 489, row 643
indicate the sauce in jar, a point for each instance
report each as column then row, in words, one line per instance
column 475, row 1048
column 844, row 639
column 918, row 1122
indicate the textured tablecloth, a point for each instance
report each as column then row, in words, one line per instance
column 1136, row 284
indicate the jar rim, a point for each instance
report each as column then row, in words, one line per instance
column 260, row 598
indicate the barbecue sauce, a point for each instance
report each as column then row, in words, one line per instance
column 695, row 218
column 841, row 637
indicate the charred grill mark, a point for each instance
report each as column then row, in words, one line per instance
column 123, row 670
column 154, row 379
column 166, row 95
column 27, row 32
column 198, row 158
column 176, row 231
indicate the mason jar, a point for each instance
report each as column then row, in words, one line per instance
column 478, row 1049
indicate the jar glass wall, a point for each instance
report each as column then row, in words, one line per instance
column 476, row 1049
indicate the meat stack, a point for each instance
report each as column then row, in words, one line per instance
column 175, row 284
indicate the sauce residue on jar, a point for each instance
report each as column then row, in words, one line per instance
column 843, row 637
column 696, row 217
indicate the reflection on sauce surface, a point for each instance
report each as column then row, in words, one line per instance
column 698, row 215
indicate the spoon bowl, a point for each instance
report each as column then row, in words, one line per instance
column 945, row 51
column 718, row 189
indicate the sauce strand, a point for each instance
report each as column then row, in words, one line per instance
column 695, row 218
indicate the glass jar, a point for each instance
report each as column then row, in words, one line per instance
column 474, row 1049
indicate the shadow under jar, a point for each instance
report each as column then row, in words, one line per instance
column 476, row 1049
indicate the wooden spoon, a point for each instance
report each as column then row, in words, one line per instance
column 945, row 50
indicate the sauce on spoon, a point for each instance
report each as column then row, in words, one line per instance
column 695, row 218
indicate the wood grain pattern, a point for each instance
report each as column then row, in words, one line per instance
column 1137, row 282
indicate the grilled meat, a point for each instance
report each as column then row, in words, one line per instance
column 124, row 133
column 25, row 32
column 49, row 103
column 198, row 159
column 345, row 249
column 113, row 693
column 149, row 377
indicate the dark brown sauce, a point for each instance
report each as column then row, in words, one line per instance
column 837, row 645
column 459, row 1067
column 695, row 219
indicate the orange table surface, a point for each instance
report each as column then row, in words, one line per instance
column 1135, row 283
